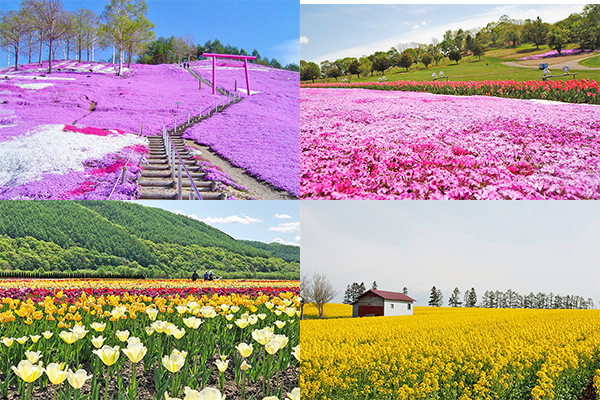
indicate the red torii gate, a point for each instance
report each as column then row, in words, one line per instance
column 214, row 61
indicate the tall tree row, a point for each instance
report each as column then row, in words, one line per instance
column 40, row 25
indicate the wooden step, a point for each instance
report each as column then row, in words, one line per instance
column 150, row 195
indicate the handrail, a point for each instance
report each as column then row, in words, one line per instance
column 181, row 164
column 119, row 177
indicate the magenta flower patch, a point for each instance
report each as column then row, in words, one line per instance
column 365, row 144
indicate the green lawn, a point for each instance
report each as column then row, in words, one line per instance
column 470, row 68
column 592, row 62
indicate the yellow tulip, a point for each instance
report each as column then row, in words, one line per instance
column 222, row 365
column 295, row 394
column 22, row 340
column 35, row 338
column 28, row 371
column 68, row 337
column 98, row 341
column 159, row 326
column 181, row 309
column 245, row 349
column 135, row 352
column 80, row 331
column 242, row 323
column 279, row 324
column 152, row 313
column 133, row 340
column 33, row 356
column 122, row 335
column 296, row 352
column 8, row 341
column 234, row 309
column 207, row 393
column 269, row 305
column 208, row 312
column 277, row 312
column 107, row 354
column 178, row 333
column 262, row 316
column 149, row 330
column 272, row 347
column 47, row 334
column 245, row 366
column 98, row 326
column 77, row 379
column 271, row 398
column 170, row 329
column 262, row 336
column 192, row 322
column 282, row 339
column 229, row 326
column 229, row 317
column 174, row 362
column 56, row 374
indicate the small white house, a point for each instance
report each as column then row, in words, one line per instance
column 381, row 303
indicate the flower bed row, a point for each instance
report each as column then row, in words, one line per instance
column 570, row 91
column 554, row 53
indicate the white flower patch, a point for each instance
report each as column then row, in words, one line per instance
column 40, row 78
column 34, row 86
column 48, row 149
column 245, row 91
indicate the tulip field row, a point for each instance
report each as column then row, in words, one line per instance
column 569, row 91
column 368, row 144
column 153, row 343
column 457, row 353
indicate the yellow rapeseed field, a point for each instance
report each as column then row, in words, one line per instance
column 452, row 353
column 331, row 310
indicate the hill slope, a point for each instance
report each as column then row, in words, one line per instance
column 88, row 235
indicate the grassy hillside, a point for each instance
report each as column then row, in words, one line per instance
column 471, row 68
column 288, row 253
column 125, row 238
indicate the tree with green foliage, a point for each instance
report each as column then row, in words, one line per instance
column 454, row 56
column 353, row 292
column 478, row 50
column 309, row 71
column 558, row 38
column 535, row 31
column 405, row 61
column 470, row 299
column 454, row 300
column 354, row 68
column 366, row 66
column 13, row 28
column 436, row 299
column 381, row 63
column 334, row 73
column 426, row 59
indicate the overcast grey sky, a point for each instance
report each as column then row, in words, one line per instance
column 528, row 246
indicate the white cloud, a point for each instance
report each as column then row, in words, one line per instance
column 281, row 241
column 304, row 40
column 232, row 219
column 416, row 26
column 423, row 23
column 288, row 227
column 297, row 238
column 282, row 216
column 287, row 52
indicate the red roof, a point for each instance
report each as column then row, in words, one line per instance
column 388, row 295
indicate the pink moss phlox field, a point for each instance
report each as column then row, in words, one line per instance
column 569, row 91
column 91, row 99
column 260, row 133
column 554, row 53
column 365, row 144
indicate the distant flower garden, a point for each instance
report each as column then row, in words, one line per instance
column 554, row 53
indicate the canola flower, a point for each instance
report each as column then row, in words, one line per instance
column 445, row 353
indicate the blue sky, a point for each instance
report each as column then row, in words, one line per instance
column 271, row 26
column 265, row 221
column 332, row 31
column 529, row 246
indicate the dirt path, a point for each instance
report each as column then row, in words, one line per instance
column 555, row 63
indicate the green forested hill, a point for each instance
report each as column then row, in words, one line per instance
column 126, row 238
column 288, row 253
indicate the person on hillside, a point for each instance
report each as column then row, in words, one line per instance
column 205, row 275
column 194, row 276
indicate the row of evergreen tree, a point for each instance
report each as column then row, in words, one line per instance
column 490, row 299
column 510, row 299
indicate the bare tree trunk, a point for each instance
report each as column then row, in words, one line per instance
column 113, row 60
column 16, row 58
column 50, row 56
column 120, row 62
column 41, row 49
column 29, row 49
